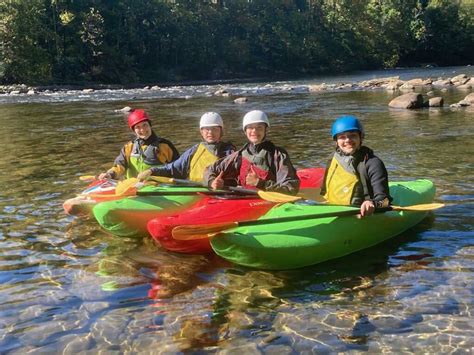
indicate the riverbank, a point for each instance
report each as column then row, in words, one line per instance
column 461, row 81
column 396, row 81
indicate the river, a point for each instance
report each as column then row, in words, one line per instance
column 68, row 287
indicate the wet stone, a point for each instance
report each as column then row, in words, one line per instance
column 246, row 348
column 39, row 334
column 391, row 325
column 32, row 312
column 111, row 329
column 150, row 341
column 94, row 307
column 75, row 343
column 277, row 349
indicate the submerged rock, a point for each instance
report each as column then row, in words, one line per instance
column 436, row 102
column 241, row 100
column 470, row 98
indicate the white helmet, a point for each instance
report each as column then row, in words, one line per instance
column 211, row 119
column 255, row 116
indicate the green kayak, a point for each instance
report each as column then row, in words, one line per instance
column 128, row 217
column 288, row 245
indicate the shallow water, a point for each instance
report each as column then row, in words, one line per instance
column 67, row 286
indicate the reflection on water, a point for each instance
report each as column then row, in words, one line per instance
column 68, row 286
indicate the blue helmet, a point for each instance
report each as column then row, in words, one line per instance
column 346, row 123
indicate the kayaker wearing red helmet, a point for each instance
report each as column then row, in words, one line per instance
column 192, row 163
column 145, row 151
column 258, row 165
column 355, row 176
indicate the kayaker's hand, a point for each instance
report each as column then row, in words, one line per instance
column 367, row 208
column 105, row 175
column 251, row 178
column 218, row 183
column 144, row 175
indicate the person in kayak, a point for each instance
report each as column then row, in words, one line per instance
column 258, row 165
column 195, row 160
column 145, row 151
column 355, row 176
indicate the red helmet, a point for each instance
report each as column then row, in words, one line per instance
column 136, row 117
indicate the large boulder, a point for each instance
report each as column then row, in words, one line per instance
column 442, row 82
column 470, row 98
column 407, row 101
column 467, row 85
column 459, row 79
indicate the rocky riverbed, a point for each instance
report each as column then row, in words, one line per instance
column 431, row 87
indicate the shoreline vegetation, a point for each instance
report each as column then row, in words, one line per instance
column 109, row 43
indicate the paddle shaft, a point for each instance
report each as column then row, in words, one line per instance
column 307, row 216
column 355, row 211
column 209, row 192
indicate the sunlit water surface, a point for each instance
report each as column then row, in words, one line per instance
column 67, row 286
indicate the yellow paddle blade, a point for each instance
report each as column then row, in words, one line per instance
column 126, row 187
column 87, row 177
column 161, row 179
column 420, row 207
column 201, row 231
column 277, row 197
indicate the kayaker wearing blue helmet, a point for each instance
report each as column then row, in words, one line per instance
column 355, row 176
column 195, row 160
column 258, row 165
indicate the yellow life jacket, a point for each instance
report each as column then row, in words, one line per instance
column 141, row 158
column 200, row 161
column 340, row 184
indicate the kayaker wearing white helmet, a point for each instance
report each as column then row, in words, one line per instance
column 145, row 151
column 195, row 160
column 259, row 164
column 355, row 176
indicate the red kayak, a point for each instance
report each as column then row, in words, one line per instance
column 222, row 209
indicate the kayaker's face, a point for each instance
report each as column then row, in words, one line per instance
column 256, row 132
column 349, row 142
column 211, row 134
column 142, row 130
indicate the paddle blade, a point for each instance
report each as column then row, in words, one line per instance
column 161, row 179
column 87, row 177
column 193, row 232
column 420, row 207
column 277, row 197
column 127, row 187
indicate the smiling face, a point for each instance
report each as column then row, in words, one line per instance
column 211, row 134
column 349, row 142
column 142, row 130
column 256, row 132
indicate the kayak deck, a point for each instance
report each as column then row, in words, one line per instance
column 127, row 217
column 306, row 242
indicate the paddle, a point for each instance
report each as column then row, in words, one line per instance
column 87, row 177
column 192, row 232
column 275, row 197
column 129, row 187
column 167, row 180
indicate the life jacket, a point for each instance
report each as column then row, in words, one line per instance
column 143, row 157
column 258, row 163
column 201, row 159
column 342, row 186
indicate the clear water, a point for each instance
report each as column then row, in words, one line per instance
column 67, row 286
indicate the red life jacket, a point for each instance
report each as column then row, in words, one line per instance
column 259, row 163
